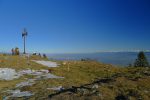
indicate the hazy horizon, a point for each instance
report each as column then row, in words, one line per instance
column 115, row 58
column 134, row 51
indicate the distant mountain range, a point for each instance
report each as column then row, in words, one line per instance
column 115, row 58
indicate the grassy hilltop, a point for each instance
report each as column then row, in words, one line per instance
column 82, row 80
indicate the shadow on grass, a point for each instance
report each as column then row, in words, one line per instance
column 74, row 89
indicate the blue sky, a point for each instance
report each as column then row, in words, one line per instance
column 74, row 26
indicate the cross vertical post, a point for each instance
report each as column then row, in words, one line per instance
column 24, row 35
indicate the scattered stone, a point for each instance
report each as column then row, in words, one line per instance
column 121, row 97
column 147, row 73
column 95, row 86
column 105, row 80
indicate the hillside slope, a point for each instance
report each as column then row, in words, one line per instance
column 82, row 80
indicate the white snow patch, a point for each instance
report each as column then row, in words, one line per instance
column 8, row 74
column 32, row 72
column 18, row 93
column 30, row 82
column 40, row 74
column 46, row 63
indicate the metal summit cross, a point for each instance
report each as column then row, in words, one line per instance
column 24, row 35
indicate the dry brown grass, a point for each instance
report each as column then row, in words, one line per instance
column 131, row 82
